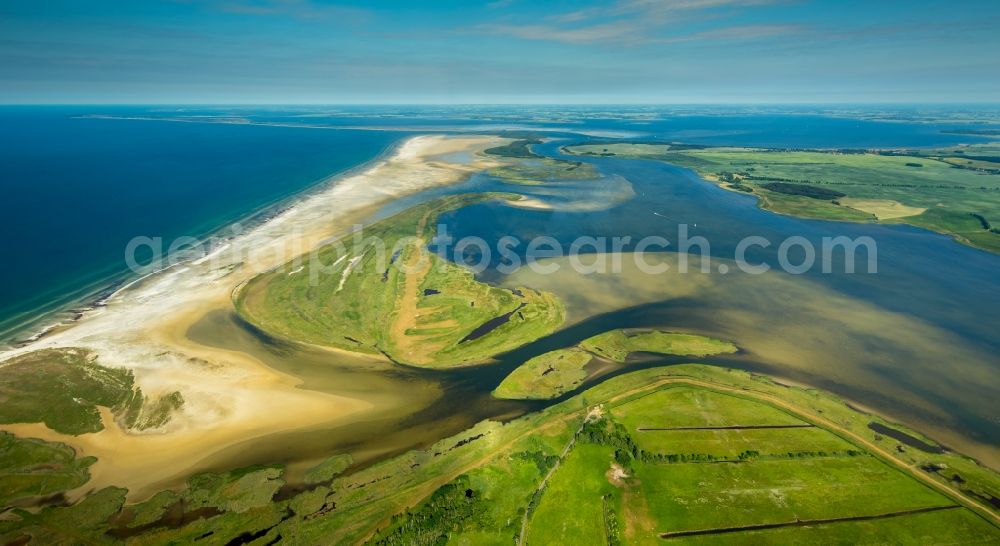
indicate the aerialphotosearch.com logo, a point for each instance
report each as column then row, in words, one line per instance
column 654, row 254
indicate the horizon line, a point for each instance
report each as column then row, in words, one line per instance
column 460, row 103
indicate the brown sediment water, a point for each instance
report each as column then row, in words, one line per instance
column 409, row 407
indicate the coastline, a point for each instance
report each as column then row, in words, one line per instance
column 69, row 308
column 231, row 396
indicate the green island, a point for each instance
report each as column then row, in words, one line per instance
column 427, row 312
column 520, row 148
column 954, row 190
column 547, row 375
column 643, row 458
column 62, row 388
column 555, row 373
column 616, row 345
column 531, row 169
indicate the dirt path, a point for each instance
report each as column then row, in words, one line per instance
column 406, row 310
column 595, row 412
column 415, row 349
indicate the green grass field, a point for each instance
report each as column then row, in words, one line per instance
column 829, row 480
column 687, row 407
column 546, row 376
column 62, row 388
column 966, row 527
column 571, row 510
column 386, row 293
column 616, row 345
column 537, row 171
column 731, row 443
column 679, row 497
column 940, row 190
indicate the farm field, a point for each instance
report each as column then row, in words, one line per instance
column 765, row 477
column 775, row 491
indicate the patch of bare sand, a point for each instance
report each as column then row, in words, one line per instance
column 531, row 203
column 882, row 209
column 231, row 397
column 616, row 475
column 585, row 195
column 405, row 315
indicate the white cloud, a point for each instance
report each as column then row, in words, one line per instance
column 300, row 9
column 637, row 22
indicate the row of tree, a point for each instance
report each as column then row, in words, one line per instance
column 611, row 434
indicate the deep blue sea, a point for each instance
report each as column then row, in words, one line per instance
column 75, row 191
column 77, row 188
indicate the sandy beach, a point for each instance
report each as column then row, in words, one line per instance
column 230, row 396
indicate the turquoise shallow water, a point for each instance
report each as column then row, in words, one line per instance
column 75, row 191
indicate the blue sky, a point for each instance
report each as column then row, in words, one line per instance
column 500, row 51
